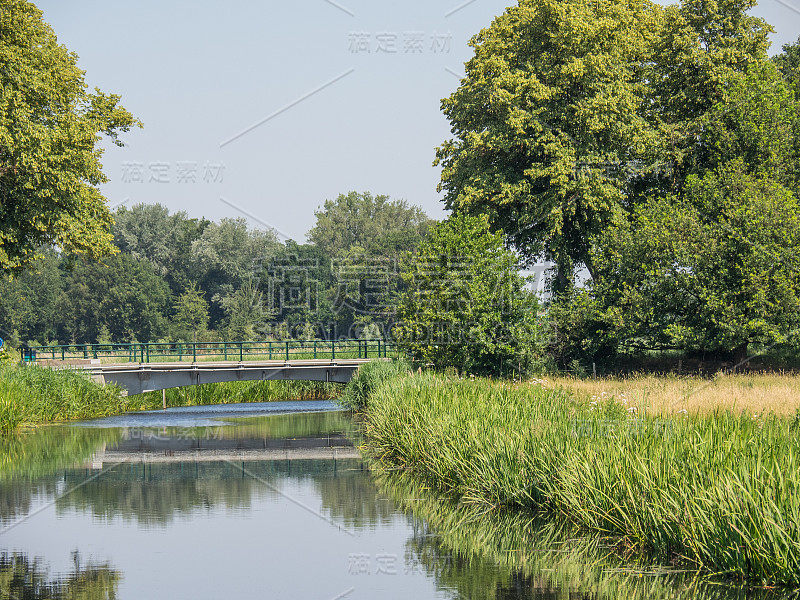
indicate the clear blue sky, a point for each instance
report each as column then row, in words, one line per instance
column 325, row 96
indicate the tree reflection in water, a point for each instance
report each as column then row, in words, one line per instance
column 25, row 578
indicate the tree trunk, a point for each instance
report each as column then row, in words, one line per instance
column 740, row 354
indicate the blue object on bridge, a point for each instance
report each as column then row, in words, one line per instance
column 28, row 355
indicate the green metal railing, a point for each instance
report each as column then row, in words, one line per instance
column 215, row 351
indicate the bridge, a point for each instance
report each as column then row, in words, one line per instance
column 138, row 378
column 148, row 367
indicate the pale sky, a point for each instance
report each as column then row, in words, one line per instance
column 267, row 109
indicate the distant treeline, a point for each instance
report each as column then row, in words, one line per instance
column 182, row 278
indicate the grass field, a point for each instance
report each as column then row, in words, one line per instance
column 719, row 489
column 670, row 394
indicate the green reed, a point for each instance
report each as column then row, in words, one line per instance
column 32, row 394
column 719, row 490
column 238, row 391
column 478, row 553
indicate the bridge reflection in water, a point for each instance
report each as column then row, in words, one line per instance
column 153, row 447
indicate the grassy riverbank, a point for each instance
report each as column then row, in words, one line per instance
column 720, row 490
column 31, row 395
column 755, row 393
column 479, row 554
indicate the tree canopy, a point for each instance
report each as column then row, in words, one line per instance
column 375, row 224
column 50, row 129
column 656, row 146
column 548, row 120
column 572, row 112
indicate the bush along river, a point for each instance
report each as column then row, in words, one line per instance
column 274, row 500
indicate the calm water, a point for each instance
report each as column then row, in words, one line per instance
column 273, row 501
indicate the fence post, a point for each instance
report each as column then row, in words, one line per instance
column 287, row 349
column 85, row 352
column 148, row 352
column 194, row 351
column 180, row 352
column 333, row 349
column 315, row 349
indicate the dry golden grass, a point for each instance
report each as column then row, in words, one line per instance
column 753, row 393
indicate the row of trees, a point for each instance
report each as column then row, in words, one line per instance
column 177, row 278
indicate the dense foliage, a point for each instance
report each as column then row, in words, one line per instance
column 466, row 305
column 50, row 133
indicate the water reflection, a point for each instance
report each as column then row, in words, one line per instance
column 150, row 475
column 153, row 494
column 42, row 451
column 25, row 578
column 167, row 507
column 498, row 554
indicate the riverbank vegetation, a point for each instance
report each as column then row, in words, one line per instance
column 717, row 490
column 239, row 391
column 31, row 395
column 477, row 553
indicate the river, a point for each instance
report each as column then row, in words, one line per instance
column 273, row 500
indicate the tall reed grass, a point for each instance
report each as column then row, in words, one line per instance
column 238, row 391
column 477, row 553
column 720, row 490
column 32, row 394
column 368, row 378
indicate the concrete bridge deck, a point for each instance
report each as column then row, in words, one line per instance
column 138, row 378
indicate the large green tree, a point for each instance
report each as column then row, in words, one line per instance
column 362, row 237
column 547, row 122
column 29, row 301
column 712, row 267
column 228, row 254
column 711, row 271
column 191, row 314
column 50, row 130
column 123, row 298
column 573, row 112
column 701, row 47
column 466, row 305
column 788, row 63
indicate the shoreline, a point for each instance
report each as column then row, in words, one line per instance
column 720, row 489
